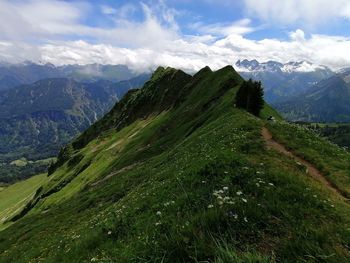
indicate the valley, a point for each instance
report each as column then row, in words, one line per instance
column 36, row 120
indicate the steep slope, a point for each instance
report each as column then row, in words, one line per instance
column 37, row 119
column 14, row 197
column 283, row 80
column 175, row 173
column 327, row 101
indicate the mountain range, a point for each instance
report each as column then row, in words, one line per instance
column 176, row 173
column 12, row 75
column 326, row 101
column 280, row 80
column 37, row 119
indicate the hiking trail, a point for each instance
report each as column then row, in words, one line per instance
column 311, row 169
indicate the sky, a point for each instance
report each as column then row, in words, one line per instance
column 186, row 34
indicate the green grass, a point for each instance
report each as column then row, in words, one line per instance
column 14, row 197
column 332, row 160
column 193, row 184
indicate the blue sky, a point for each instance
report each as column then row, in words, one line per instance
column 182, row 33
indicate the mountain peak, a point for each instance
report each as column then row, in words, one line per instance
column 274, row 66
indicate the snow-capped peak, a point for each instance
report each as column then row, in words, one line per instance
column 274, row 66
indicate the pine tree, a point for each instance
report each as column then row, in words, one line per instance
column 250, row 97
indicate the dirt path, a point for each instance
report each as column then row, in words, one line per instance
column 311, row 169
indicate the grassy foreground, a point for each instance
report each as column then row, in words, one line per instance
column 191, row 181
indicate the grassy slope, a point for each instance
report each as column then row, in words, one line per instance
column 159, row 190
column 331, row 159
column 14, row 197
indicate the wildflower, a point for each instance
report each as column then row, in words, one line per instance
column 235, row 216
column 239, row 193
column 109, row 232
column 245, row 219
column 244, row 200
column 158, row 223
column 225, row 188
column 93, row 260
column 220, row 203
column 203, row 182
column 210, row 206
column 271, row 184
column 159, row 213
column 225, row 172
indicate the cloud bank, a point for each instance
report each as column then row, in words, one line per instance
column 54, row 32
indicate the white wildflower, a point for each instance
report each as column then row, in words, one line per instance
column 159, row 213
column 239, row 193
column 244, row 200
column 210, row 206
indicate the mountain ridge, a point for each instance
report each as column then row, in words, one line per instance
column 189, row 179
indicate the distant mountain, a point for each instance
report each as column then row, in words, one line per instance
column 12, row 75
column 283, row 80
column 327, row 101
column 37, row 119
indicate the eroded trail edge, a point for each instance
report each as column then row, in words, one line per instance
column 311, row 169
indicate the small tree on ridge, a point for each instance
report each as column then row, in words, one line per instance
column 250, row 97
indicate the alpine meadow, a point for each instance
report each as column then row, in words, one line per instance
column 174, row 131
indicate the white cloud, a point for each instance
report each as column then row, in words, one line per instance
column 308, row 12
column 29, row 20
column 192, row 55
column 157, row 40
column 240, row 27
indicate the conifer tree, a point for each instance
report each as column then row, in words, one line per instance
column 250, row 97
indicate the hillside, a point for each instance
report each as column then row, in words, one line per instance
column 175, row 173
column 338, row 133
column 283, row 80
column 37, row 119
column 327, row 101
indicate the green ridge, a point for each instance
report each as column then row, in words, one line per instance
column 175, row 173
